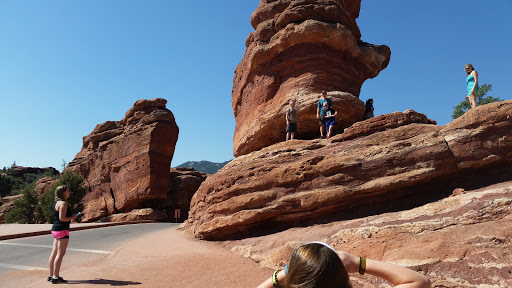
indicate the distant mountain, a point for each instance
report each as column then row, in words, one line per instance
column 204, row 166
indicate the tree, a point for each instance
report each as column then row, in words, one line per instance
column 24, row 208
column 75, row 183
column 6, row 185
column 464, row 106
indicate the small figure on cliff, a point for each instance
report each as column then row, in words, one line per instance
column 317, row 264
column 62, row 217
column 320, row 108
column 329, row 116
column 472, row 84
column 368, row 113
column 291, row 121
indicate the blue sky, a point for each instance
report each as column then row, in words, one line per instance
column 66, row 66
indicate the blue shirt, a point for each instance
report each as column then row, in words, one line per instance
column 321, row 103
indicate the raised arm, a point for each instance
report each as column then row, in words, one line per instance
column 269, row 283
column 399, row 276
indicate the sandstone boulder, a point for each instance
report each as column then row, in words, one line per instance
column 43, row 184
column 126, row 163
column 298, row 49
column 305, row 182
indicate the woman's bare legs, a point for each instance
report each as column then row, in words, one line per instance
column 472, row 100
column 58, row 252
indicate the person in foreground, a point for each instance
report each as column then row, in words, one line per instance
column 318, row 265
column 62, row 217
column 472, row 84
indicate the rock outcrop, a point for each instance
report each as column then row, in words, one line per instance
column 298, row 49
column 183, row 183
column 20, row 171
column 6, row 205
column 126, row 163
column 392, row 168
column 43, row 184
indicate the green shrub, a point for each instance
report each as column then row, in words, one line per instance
column 44, row 209
column 24, row 208
column 464, row 106
column 6, row 185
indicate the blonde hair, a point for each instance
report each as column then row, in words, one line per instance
column 315, row 265
column 472, row 68
column 59, row 192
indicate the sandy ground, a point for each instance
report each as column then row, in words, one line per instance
column 163, row 259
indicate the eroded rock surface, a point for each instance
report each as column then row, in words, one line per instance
column 305, row 182
column 460, row 241
column 298, row 49
column 126, row 163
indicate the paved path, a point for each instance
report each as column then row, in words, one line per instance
column 166, row 258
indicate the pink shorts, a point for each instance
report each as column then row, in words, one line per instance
column 60, row 234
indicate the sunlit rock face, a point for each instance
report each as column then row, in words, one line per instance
column 389, row 163
column 126, row 163
column 298, row 49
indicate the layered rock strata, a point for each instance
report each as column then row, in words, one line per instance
column 126, row 163
column 460, row 241
column 298, row 49
column 305, row 182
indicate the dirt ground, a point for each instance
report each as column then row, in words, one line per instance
column 163, row 259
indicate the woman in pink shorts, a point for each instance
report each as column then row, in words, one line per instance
column 62, row 217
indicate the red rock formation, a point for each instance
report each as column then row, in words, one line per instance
column 6, row 204
column 460, row 241
column 126, row 163
column 20, row 171
column 43, row 184
column 303, row 182
column 183, row 183
column 299, row 48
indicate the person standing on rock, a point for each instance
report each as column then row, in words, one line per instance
column 368, row 113
column 291, row 121
column 62, row 217
column 329, row 116
column 319, row 109
column 471, row 84
column 318, row 265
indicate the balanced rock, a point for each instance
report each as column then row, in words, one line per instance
column 126, row 163
column 298, row 49
column 305, row 182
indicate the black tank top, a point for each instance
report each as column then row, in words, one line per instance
column 57, row 224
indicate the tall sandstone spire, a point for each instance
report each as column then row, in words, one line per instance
column 298, row 49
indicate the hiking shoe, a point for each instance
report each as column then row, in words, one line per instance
column 58, row 280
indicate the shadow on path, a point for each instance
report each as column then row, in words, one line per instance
column 104, row 281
